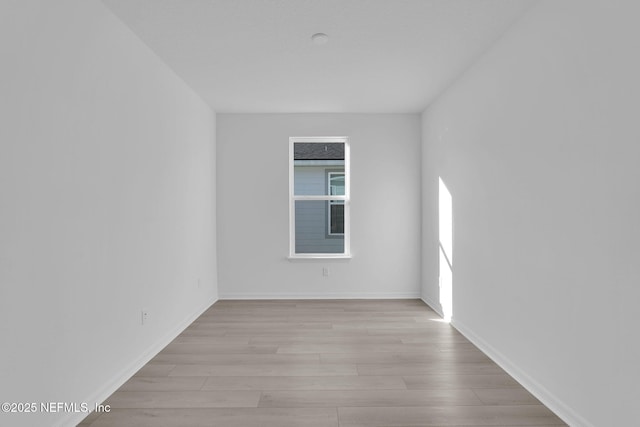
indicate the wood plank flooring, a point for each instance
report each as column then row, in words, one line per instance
column 318, row 363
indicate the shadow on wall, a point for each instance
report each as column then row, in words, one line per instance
column 445, row 238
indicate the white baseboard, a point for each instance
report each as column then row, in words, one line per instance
column 349, row 295
column 433, row 305
column 119, row 379
column 563, row 411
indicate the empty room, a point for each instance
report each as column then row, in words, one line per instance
column 314, row 213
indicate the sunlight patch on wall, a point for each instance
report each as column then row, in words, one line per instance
column 445, row 238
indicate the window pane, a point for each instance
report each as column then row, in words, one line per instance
column 336, row 218
column 312, row 227
column 311, row 163
column 336, row 183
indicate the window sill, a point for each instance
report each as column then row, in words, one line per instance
column 298, row 257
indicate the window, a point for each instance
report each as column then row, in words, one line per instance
column 319, row 197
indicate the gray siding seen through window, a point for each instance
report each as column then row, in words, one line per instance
column 312, row 233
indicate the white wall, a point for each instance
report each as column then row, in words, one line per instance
column 539, row 146
column 106, row 205
column 253, row 215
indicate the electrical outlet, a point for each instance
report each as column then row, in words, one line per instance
column 325, row 271
column 199, row 283
column 144, row 316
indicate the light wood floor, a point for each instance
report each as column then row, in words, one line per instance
column 321, row 363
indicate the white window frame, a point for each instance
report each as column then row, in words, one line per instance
column 293, row 198
column 332, row 202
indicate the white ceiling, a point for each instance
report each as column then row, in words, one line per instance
column 386, row 56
